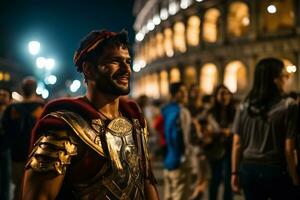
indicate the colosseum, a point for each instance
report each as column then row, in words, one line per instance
column 209, row 42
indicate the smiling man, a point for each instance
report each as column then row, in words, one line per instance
column 93, row 147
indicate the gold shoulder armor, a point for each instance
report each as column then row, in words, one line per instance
column 52, row 152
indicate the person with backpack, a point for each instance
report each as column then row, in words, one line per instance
column 177, row 124
column 18, row 121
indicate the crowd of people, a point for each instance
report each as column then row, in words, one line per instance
column 249, row 146
column 95, row 146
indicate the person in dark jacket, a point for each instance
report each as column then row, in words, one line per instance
column 5, row 160
column 18, row 121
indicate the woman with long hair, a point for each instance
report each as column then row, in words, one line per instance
column 218, row 148
column 263, row 143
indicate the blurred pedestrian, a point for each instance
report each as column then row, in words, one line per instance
column 150, row 111
column 177, row 162
column 218, row 150
column 263, row 143
column 194, row 100
column 5, row 160
column 18, row 121
column 199, row 178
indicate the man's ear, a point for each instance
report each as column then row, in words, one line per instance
column 88, row 70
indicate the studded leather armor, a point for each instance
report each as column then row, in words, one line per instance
column 121, row 143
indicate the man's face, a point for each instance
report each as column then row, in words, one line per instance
column 181, row 95
column 113, row 71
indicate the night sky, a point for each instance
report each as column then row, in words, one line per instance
column 58, row 25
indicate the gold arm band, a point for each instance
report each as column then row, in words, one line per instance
column 39, row 166
column 52, row 153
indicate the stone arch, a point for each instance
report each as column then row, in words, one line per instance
column 235, row 76
column 193, row 30
column 210, row 25
column 208, row 78
column 238, row 19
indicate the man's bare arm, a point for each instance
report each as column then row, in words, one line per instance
column 151, row 191
column 41, row 186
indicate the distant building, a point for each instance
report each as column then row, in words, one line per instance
column 209, row 42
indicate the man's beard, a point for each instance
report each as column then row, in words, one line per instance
column 108, row 84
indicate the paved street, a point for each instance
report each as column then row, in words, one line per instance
column 158, row 171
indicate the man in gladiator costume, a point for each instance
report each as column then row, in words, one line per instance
column 93, row 147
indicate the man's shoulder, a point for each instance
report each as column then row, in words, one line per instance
column 48, row 123
column 64, row 104
column 185, row 111
column 60, row 104
column 76, row 105
column 170, row 107
column 132, row 110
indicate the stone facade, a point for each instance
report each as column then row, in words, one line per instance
column 233, row 46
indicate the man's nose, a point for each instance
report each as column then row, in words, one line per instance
column 126, row 67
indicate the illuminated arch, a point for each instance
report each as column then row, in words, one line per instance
column 155, row 85
column 143, row 52
column 148, row 85
column 164, row 83
column 174, row 75
column 179, row 37
column 168, row 42
column 152, row 85
column 210, row 25
column 190, row 75
column 159, row 44
column 235, row 76
column 238, row 19
column 152, row 46
column 276, row 15
column 193, row 31
column 208, row 78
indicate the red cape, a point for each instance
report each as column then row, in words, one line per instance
column 128, row 108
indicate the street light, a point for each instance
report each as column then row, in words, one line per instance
column 75, row 85
column 40, row 88
column 40, row 62
column 47, row 63
column 45, row 93
column 34, row 47
column 50, row 63
column 51, row 79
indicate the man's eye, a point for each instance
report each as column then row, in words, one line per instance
column 114, row 62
